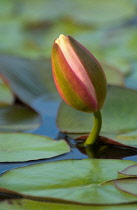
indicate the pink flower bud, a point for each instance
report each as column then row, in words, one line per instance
column 78, row 76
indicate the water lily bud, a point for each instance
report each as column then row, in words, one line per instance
column 78, row 76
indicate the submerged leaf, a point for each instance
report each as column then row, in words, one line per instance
column 82, row 181
column 24, row 147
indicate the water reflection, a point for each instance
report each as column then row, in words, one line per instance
column 48, row 111
column 108, row 152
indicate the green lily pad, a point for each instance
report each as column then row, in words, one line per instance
column 122, row 64
column 18, row 118
column 6, row 95
column 14, row 27
column 103, row 13
column 113, row 75
column 126, row 38
column 25, row 146
column 44, row 10
column 126, row 139
column 83, row 181
column 129, row 171
column 11, row 34
column 25, row 204
column 127, row 185
column 120, row 104
column 6, row 8
column 92, row 39
column 28, row 79
column 66, row 26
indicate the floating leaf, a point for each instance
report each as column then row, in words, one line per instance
column 113, row 75
column 6, row 96
column 120, row 104
column 82, row 181
column 18, row 118
column 15, row 117
column 23, row 204
column 127, row 185
column 28, row 79
column 119, row 63
column 16, row 19
column 66, row 26
column 129, row 171
column 11, row 34
column 102, row 13
column 126, row 38
column 125, row 139
column 23, row 147
column 44, row 10
column 7, row 8
column 15, row 37
column 96, row 41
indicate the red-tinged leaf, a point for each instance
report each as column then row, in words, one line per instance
column 130, row 171
column 127, row 185
column 105, row 140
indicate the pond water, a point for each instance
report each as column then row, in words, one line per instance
column 48, row 111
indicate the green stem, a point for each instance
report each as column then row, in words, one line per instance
column 95, row 130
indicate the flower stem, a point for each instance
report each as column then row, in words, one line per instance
column 95, row 130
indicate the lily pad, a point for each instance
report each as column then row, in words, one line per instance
column 126, row 139
column 126, row 38
column 18, row 118
column 11, row 34
column 25, row 204
column 127, row 185
column 82, row 181
column 28, row 79
column 129, row 171
column 120, row 105
column 44, row 10
column 113, row 75
column 6, row 8
column 25, row 146
column 97, row 47
column 6, row 95
column 102, row 13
